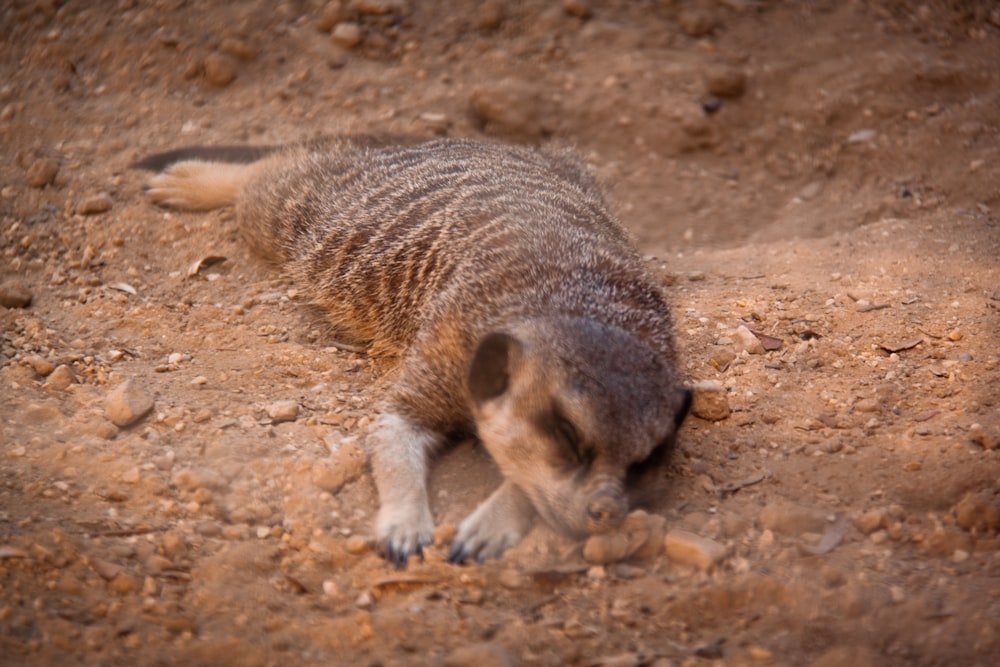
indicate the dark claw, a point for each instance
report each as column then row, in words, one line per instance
column 399, row 557
column 458, row 554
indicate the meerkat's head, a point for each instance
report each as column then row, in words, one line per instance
column 567, row 407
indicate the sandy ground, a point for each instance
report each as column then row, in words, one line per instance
column 826, row 174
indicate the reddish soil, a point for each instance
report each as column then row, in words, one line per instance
column 826, row 173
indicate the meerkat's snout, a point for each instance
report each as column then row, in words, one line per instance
column 606, row 509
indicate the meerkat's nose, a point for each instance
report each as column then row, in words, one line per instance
column 605, row 511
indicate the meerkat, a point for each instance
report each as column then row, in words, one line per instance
column 503, row 295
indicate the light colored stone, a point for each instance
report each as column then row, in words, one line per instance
column 347, row 35
column 745, row 340
column 725, row 81
column 283, row 411
column 790, row 519
column 979, row 512
column 510, row 108
column 99, row 203
column 60, row 378
column 870, row 521
column 480, row 655
column 690, row 549
column 42, row 172
column 42, row 366
column 710, row 401
column 127, row 403
column 220, row 69
column 15, row 294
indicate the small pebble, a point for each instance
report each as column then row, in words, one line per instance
column 15, row 294
column 577, row 8
column 220, row 69
column 710, row 401
column 745, row 340
column 866, row 405
column 870, row 521
column 979, row 512
column 42, row 366
column 357, row 545
column 979, row 436
column 60, row 378
column 725, row 81
column 511, row 578
column 791, row 519
column 347, row 35
column 332, row 14
column 690, row 549
column 510, row 108
column 127, row 403
column 697, row 22
column 479, row 655
column 94, row 204
column 283, row 411
column 42, row 172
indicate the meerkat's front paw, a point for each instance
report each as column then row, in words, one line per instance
column 404, row 530
column 496, row 525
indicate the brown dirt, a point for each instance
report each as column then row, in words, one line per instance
column 844, row 201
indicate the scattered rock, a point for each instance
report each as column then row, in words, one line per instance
column 220, row 69
column 789, row 519
column 127, row 404
column 480, row 655
column 380, row 7
column 204, row 478
column 745, row 340
column 725, row 81
column 577, row 8
column 511, row 578
column 124, row 584
column 510, row 108
column 697, row 22
column 979, row 436
column 871, row 521
column 283, row 411
column 617, row 545
column 42, row 172
column 346, row 463
column 691, row 549
column 238, row 48
column 347, row 35
column 847, row 656
column 978, row 512
column 94, row 204
column 42, row 366
column 332, row 14
column 710, row 401
column 14, row 294
column 491, row 15
column 357, row 545
column 60, row 378
column 866, row 405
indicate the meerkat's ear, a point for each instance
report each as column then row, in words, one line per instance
column 489, row 373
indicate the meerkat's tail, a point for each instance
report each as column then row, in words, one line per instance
column 201, row 178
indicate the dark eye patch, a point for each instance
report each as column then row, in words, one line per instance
column 570, row 446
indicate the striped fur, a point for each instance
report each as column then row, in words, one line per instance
column 422, row 250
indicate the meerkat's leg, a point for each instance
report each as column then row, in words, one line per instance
column 399, row 450
column 196, row 185
column 496, row 525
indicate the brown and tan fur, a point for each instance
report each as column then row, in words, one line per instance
column 499, row 287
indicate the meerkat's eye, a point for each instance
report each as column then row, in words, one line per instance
column 568, row 437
